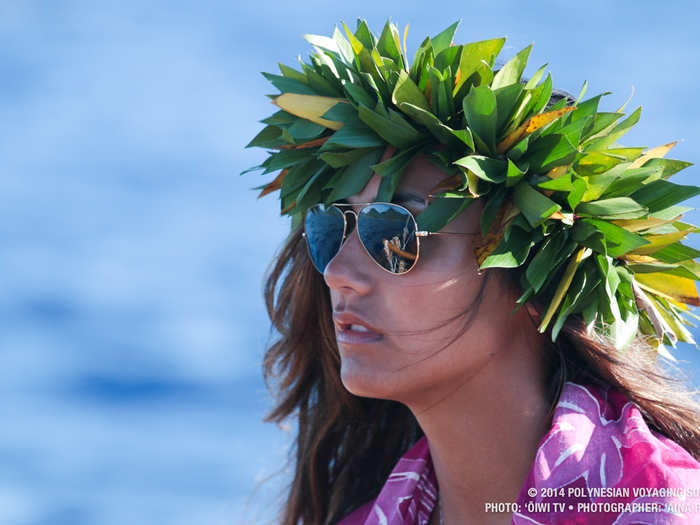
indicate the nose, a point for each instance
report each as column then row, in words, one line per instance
column 349, row 270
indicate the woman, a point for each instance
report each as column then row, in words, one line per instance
column 421, row 396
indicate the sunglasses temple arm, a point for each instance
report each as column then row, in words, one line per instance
column 423, row 233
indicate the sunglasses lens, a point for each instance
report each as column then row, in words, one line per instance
column 388, row 233
column 324, row 232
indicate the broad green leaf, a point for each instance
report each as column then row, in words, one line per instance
column 676, row 253
column 579, row 188
column 401, row 135
column 486, row 168
column 407, row 91
column 490, row 209
column 553, row 251
column 440, row 212
column 661, row 194
column 615, row 208
column 289, row 85
column 354, row 134
column 269, row 137
column 548, row 152
column 506, row 98
column 618, row 240
column 476, row 57
column 534, row 206
column 388, row 44
column 444, row 38
column 512, row 251
column 444, row 134
column 343, row 158
column 355, row 176
column 514, row 173
column 511, row 72
column 481, row 115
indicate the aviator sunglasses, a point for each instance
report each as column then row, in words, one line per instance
column 388, row 233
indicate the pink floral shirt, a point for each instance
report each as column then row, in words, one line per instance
column 599, row 464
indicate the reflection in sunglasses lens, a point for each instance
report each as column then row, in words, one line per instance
column 324, row 232
column 388, row 233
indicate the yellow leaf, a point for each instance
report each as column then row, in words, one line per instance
column 483, row 247
column 655, row 153
column 564, row 285
column 532, row 124
column 635, row 225
column 566, row 218
column 557, row 172
column 656, row 242
column 309, row 107
column 405, row 34
column 639, row 259
column 673, row 287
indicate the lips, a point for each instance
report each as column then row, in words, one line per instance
column 346, row 332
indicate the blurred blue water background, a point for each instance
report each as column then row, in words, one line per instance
column 131, row 317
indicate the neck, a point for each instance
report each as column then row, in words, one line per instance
column 484, row 433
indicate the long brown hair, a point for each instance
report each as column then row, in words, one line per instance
column 346, row 445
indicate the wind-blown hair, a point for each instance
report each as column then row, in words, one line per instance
column 347, row 445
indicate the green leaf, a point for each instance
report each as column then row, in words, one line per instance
column 493, row 204
column 548, row 152
column 579, row 188
column 506, row 98
column 511, row 72
column 534, row 206
column 465, row 135
column 286, row 159
column 486, row 168
column 579, row 296
column 661, row 194
column 444, row 134
column 668, row 167
column 553, row 251
column 388, row 41
column 441, row 212
column 619, row 130
column 289, row 85
column 355, row 176
column 396, row 132
column 343, row 158
column 269, row 137
column 354, row 134
column 481, row 115
column 444, row 38
column 512, row 250
column 676, row 253
column 615, row 208
column 407, row 91
column 514, row 173
column 477, row 57
column 618, row 240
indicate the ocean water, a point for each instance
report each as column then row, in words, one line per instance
column 132, row 325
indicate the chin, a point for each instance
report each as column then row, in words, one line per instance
column 366, row 381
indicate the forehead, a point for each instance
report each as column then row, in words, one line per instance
column 418, row 178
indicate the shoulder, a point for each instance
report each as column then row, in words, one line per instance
column 616, row 441
column 358, row 516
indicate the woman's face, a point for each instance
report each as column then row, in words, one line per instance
column 399, row 363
